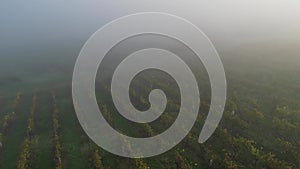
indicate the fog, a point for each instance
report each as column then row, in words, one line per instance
column 227, row 23
column 239, row 29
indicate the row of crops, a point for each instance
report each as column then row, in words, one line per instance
column 40, row 130
column 32, row 116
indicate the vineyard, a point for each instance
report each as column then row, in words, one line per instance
column 150, row 84
column 39, row 129
column 260, row 127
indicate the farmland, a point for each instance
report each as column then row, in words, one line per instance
column 260, row 126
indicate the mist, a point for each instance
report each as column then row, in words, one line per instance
column 47, row 36
column 227, row 23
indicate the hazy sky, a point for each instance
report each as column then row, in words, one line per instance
column 227, row 22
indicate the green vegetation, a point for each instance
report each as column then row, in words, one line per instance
column 56, row 135
column 260, row 127
column 27, row 153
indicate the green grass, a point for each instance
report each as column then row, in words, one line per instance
column 44, row 131
column 73, row 156
column 5, row 106
column 15, row 135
